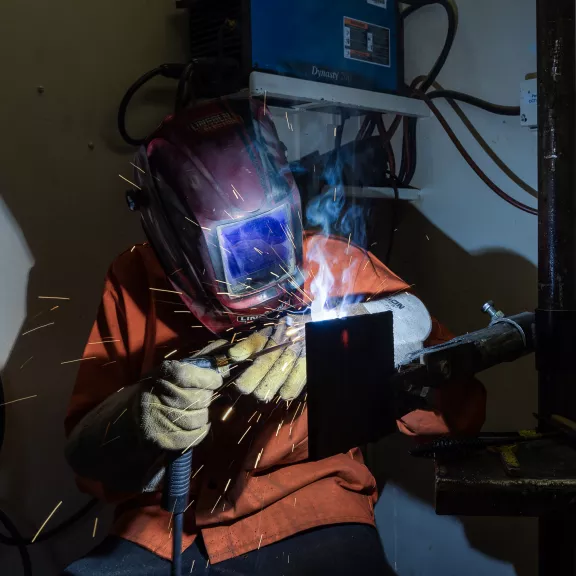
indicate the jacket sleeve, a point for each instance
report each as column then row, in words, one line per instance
column 462, row 403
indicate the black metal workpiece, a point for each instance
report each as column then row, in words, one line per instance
column 348, row 363
column 556, row 314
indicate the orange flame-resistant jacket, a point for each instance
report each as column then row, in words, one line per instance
column 263, row 489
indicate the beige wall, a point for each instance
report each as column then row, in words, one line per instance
column 63, row 214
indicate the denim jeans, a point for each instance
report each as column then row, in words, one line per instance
column 340, row 550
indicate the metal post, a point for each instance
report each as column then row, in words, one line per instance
column 556, row 314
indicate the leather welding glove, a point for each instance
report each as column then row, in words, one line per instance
column 412, row 322
column 122, row 441
column 281, row 372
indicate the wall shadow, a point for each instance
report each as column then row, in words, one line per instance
column 454, row 284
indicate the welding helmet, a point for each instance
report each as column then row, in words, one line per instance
column 220, row 207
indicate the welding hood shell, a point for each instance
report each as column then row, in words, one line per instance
column 220, row 208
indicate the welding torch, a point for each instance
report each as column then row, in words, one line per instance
column 179, row 468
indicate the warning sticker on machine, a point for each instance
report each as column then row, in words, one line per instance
column 366, row 42
column 379, row 3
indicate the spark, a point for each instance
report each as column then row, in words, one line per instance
column 108, row 363
column 260, row 543
column 182, row 312
column 258, row 459
column 253, row 416
column 197, row 441
column 222, row 282
column 133, row 248
column 227, row 413
column 124, row 412
column 244, row 434
column 265, row 95
column 171, row 353
column 334, row 194
column 196, row 326
column 95, row 526
column 227, row 484
column 207, row 562
column 259, row 251
column 103, row 342
column 279, row 426
column 349, row 238
column 190, row 504
column 290, row 237
column 288, row 558
column 229, row 215
column 195, row 473
column 137, row 167
column 223, row 293
column 37, row 328
column 46, row 522
column 367, row 262
column 163, row 290
column 79, row 360
column 117, row 437
column 54, row 308
column 236, row 192
column 26, row 362
column 284, row 367
column 427, row 238
column 278, row 399
column 130, row 182
column 296, row 412
column 205, row 228
column 219, row 498
column 294, row 502
column 287, row 121
column 231, row 328
column 106, row 432
column 53, row 298
column 258, row 419
column 19, row 400
column 335, row 131
column 192, row 567
column 274, row 274
column 293, row 445
column 176, row 271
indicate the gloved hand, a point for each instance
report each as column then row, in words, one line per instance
column 282, row 372
column 173, row 407
column 122, row 442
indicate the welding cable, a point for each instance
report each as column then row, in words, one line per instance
column 482, row 142
column 19, row 542
column 474, row 101
column 506, row 197
column 173, row 71
column 385, row 138
column 409, row 150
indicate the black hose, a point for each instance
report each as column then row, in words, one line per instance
column 168, row 71
column 473, row 101
column 18, row 541
column 408, row 165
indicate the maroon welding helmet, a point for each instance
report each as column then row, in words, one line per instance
column 220, row 207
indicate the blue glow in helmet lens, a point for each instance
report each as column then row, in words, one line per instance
column 254, row 251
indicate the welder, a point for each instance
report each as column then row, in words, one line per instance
column 227, row 270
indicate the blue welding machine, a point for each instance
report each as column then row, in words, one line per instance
column 353, row 43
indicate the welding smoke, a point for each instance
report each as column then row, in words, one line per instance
column 331, row 212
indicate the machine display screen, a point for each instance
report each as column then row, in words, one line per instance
column 257, row 252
